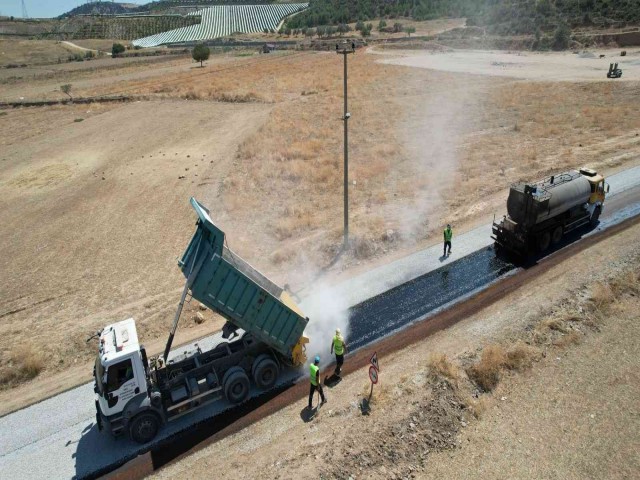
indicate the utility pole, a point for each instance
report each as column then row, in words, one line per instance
column 344, row 51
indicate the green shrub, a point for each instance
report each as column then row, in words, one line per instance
column 561, row 37
column 117, row 49
column 200, row 53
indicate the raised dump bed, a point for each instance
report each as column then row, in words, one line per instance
column 227, row 284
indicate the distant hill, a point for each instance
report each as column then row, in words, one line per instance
column 119, row 8
column 102, row 8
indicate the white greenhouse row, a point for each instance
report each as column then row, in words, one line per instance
column 222, row 20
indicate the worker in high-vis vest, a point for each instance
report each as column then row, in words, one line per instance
column 339, row 346
column 448, row 235
column 314, row 376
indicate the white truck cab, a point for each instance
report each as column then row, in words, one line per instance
column 120, row 376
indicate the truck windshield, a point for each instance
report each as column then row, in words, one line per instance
column 99, row 375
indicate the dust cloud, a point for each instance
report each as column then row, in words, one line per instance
column 327, row 310
column 432, row 131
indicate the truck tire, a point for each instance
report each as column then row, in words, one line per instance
column 265, row 372
column 236, row 385
column 556, row 236
column 595, row 217
column 544, row 240
column 144, row 427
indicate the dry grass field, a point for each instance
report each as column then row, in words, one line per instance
column 94, row 211
column 32, row 52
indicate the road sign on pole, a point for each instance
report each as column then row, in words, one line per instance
column 374, row 361
column 373, row 375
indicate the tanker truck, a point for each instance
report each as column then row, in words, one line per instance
column 263, row 335
column 539, row 214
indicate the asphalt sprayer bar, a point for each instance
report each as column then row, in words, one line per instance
column 213, row 430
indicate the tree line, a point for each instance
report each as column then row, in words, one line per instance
column 505, row 17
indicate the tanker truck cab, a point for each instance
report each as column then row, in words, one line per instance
column 120, row 377
column 597, row 186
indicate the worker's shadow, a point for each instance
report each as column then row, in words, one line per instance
column 308, row 414
column 332, row 381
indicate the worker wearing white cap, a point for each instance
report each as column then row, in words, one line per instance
column 339, row 346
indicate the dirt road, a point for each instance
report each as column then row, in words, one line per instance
column 83, row 49
column 561, row 66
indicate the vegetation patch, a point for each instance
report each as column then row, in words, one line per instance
column 503, row 17
column 22, row 364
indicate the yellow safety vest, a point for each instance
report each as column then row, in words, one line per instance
column 313, row 371
column 338, row 345
column 448, row 233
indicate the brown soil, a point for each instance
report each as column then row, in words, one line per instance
column 261, row 138
column 32, row 52
column 95, row 214
column 565, row 412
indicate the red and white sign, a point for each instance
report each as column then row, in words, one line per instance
column 374, row 361
column 373, row 375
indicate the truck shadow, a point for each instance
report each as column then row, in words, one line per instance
column 98, row 453
column 567, row 239
column 93, row 447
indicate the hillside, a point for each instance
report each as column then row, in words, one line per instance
column 109, row 8
column 101, row 8
column 500, row 16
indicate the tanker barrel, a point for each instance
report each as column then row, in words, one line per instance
column 532, row 204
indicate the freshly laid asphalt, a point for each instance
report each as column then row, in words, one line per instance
column 58, row 438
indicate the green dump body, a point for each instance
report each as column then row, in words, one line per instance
column 228, row 285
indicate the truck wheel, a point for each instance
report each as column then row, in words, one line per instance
column 544, row 240
column 144, row 427
column 265, row 372
column 595, row 217
column 236, row 385
column 556, row 236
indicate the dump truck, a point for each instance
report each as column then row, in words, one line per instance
column 263, row 335
column 539, row 214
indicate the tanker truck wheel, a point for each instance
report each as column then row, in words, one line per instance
column 236, row 385
column 556, row 236
column 544, row 240
column 144, row 427
column 265, row 371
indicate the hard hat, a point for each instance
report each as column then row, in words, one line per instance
column 337, row 331
column 317, row 359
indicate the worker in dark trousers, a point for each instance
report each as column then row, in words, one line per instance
column 448, row 235
column 314, row 376
column 339, row 346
